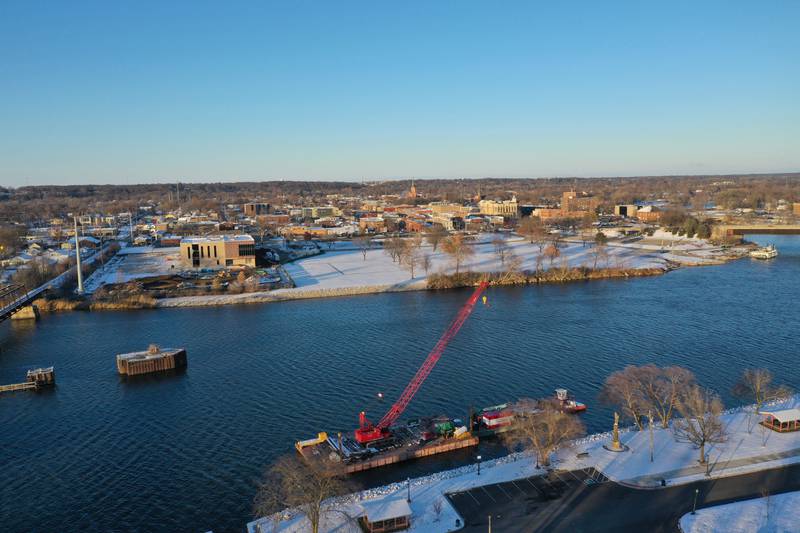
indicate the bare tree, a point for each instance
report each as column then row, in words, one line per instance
column 435, row 235
column 599, row 251
column 701, row 423
column 425, row 262
column 552, row 253
column 501, row 248
column 364, row 244
column 756, row 386
column 532, row 228
column 306, row 486
column 541, row 431
column 409, row 254
column 663, row 388
column 394, row 248
column 623, row 389
column 458, row 250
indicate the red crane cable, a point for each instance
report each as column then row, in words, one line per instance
column 433, row 357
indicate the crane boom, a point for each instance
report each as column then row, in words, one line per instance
column 367, row 432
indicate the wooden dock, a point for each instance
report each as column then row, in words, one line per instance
column 34, row 380
column 406, row 454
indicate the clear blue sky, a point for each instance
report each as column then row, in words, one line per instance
column 127, row 92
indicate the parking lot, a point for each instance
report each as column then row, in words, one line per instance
column 522, row 497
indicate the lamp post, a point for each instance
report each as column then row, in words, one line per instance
column 408, row 489
column 694, row 505
column 479, row 465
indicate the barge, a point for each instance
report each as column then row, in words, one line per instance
column 410, row 440
column 154, row 359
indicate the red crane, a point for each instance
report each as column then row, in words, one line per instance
column 367, row 432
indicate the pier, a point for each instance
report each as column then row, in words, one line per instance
column 35, row 379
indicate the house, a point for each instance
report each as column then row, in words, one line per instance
column 385, row 515
column 85, row 242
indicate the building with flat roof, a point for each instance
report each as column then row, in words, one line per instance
column 218, row 251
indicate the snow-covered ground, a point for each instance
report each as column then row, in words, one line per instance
column 749, row 447
column 137, row 262
column 775, row 514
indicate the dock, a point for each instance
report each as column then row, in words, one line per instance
column 406, row 454
column 34, row 380
column 154, row 359
column 322, row 446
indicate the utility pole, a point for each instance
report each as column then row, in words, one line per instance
column 652, row 439
column 78, row 257
column 490, row 523
column 130, row 222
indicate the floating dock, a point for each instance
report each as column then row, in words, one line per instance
column 405, row 454
column 35, row 379
column 154, row 359
column 412, row 440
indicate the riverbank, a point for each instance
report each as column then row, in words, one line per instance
column 348, row 272
column 666, row 462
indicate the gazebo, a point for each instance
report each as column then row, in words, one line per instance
column 386, row 514
column 783, row 420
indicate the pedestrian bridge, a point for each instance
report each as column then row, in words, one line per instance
column 14, row 297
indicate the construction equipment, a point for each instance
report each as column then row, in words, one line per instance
column 368, row 432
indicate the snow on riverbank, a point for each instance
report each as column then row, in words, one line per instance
column 749, row 447
column 346, row 272
column 776, row 514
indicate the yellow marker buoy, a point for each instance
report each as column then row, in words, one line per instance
column 484, row 300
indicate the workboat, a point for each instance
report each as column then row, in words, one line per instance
column 767, row 252
column 567, row 403
column 498, row 419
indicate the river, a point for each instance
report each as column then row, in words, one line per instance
column 183, row 452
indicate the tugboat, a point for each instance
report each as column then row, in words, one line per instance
column 767, row 252
column 567, row 403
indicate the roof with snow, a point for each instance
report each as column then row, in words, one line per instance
column 784, row 415
column 386, row 509
column 217, row 238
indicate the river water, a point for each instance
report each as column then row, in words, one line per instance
column 184, row 452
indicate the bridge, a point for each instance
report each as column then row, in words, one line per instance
column 734, row 230
column 14, row 297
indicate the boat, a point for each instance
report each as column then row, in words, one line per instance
column 767, row 252
column 567, row 403
column 498, row 419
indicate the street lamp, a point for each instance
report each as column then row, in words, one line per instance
column 479, row 465
column 408, row 487
column 694, row 506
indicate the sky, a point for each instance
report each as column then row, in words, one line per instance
column 133, row 92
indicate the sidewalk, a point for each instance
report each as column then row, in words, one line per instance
column 714, row 468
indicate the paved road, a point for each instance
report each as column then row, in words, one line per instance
column 585, row 501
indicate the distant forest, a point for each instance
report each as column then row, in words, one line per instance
column 40, row 203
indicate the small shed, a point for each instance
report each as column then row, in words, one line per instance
column 783, row 420
column 386, row 514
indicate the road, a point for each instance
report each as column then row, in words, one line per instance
column 584, row 501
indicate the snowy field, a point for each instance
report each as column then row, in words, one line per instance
column 776, row 514
column 749, row 447
column 349, row 268
column 136, row 263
